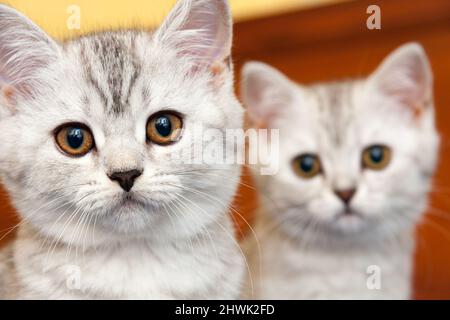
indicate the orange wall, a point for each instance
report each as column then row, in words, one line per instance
column 52, row 15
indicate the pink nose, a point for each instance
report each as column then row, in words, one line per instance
column 345, row 195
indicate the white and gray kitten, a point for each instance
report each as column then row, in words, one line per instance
column 356, row 160
column 89, row 129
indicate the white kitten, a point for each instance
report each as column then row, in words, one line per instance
column 356, row 158
column 89, row 130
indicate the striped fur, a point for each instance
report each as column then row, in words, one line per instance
column 165, row 239
column 313, row 245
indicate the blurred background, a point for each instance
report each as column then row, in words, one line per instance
column 310, row 41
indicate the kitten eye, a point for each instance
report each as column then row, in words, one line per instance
column 164, row 128
column 74, row 139
column 376, row 157
column 307, row 166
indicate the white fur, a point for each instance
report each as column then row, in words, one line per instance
column 309, row 248
column 176, row 240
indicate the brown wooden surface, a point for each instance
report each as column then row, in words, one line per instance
column 333, row 42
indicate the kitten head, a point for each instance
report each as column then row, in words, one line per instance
column 356, row 157
column 90, row 127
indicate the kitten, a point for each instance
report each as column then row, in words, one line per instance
column 356, row 160
column 89, row 129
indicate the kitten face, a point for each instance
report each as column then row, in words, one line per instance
column 111, row 86
column 355, row 157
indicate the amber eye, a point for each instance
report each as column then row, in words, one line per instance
column 376, row 157
column 164, row 128
column 307, row 165
column 74, row 139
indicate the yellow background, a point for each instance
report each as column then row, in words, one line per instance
column 52, row 15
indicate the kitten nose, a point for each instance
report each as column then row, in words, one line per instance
column 126, row 178
column 345, row 195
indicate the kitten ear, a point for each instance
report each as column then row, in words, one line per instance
column 200, row 30
column 265, row 91
column 406, row 75
column 25, row 50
